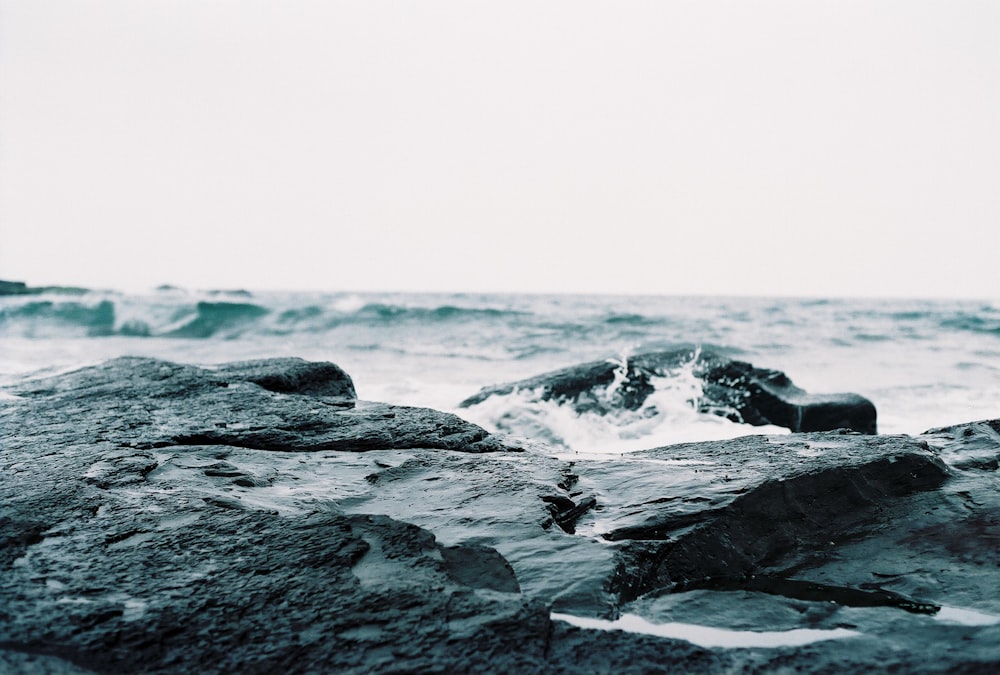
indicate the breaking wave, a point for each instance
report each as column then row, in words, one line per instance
column 672, row 413
column 174, row 314
column 986, row 322
column 50, row 318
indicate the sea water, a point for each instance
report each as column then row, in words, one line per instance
column 924, row 363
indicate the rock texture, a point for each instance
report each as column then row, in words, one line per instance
column 156, row 517
column 733, row 389
column 150, row 403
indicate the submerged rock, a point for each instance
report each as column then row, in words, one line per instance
column 156, row 517
column 730, row 388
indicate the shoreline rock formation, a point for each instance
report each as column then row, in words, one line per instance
column 733, row 389
column 256, row 517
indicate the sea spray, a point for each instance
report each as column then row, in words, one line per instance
column 670, row 414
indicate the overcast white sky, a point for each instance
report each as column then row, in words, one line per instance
column 774, row 148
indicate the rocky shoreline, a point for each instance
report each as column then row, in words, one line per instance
column 257, row 517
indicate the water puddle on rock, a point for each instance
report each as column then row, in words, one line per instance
column 706, row 636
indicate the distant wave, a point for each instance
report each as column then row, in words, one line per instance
column 442, row 313
column 106, row 317
column 633, row 320
column 976, row 323
column 212, row 317
column 529, row 327
column 176, row 316
column 45, row 318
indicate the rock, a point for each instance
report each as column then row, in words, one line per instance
column 732, row 389
column 856, row 526
column 808, row 531
column 480, row 567
column 565, row 512
column 294, row 376
column 498, row 500
column 156, row 517
column 779, row 503
column 13, row 288
column 120, row 558
column 971, row 446
column 244, row 405
column 243, row 591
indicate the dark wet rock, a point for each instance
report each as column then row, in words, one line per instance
column 732, row 389
column 591, row 651
column 499, row 500
column 26, row 663
column 155, row 404
column 863, row 527
column 13, row 288
column 156, row 517
column 250, row 591
column 565, row 512
column 975, row 445
column 812, row 591
column 479, row 567
column 119, row 558
column 293, row 376
column 780, row 501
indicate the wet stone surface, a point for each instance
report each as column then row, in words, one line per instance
column 255, row 517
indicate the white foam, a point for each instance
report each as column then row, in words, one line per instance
column 966, row 617
column 668, row 416
column 706, row 636
column 349, row 304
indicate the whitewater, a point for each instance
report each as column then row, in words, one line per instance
column 924, row 363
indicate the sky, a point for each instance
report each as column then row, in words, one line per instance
column 791, row 148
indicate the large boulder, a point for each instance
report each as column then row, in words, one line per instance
column 758, row 506
column 281, row 404
column 730, row 388
column 163, row 518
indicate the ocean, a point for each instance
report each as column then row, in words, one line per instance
column 924, row 363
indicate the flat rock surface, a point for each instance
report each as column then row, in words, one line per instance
column 256, row 518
